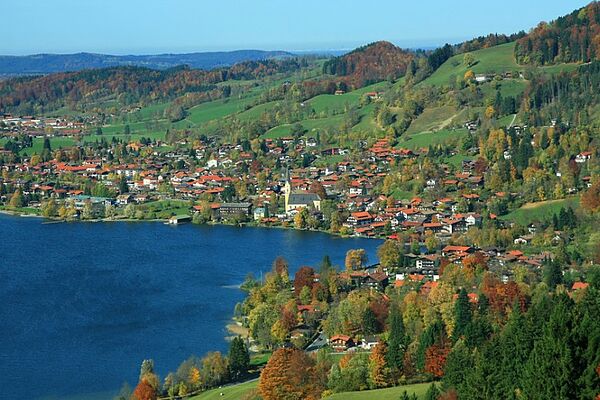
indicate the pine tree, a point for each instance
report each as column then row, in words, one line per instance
column 397, row 340
column 432, row 393
column 458, row 364
column 462, row 314
column 549, row 372
column 239, row 359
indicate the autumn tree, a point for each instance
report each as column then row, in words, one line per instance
column 590, row 199
column 355, row 259
column 379, row 371
column 390, row 254
column 305, row 277
column 289, row 375
column 144, row 391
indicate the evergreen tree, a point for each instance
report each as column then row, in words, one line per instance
column 397, row 340
column 462, row 314
column 432, row 393
column 549, row 372
column 458, row 364
column 552, row 274
column 239, row 359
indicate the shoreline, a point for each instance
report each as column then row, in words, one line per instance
column 16, row 213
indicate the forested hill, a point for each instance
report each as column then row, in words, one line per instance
column 51, row 63
column 368, row 64
column 572, row 38
column 132, row 84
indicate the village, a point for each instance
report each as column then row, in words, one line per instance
column 278, row 184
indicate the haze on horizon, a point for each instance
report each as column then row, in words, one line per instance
column 179, row 26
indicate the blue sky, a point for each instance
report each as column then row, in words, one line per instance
column 154, row 26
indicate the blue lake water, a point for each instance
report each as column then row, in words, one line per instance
column 82, row 304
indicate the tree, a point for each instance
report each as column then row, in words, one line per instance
column 378, row 369
column 16, row 200
column 397, row 340
column 462, row 314
column 468, row 60
column 305, row 277
column 123, row 187
column 355, row 259
column 552, row 274
column 432, row 392
column 144, row 391
column 301, row 218
column 239, row 358
column 590, row 199
column 289, row 375
column 369, row 322
column 549, row 373
column 390, row 254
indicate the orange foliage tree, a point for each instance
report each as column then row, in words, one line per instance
column 144, row 391
column 435, row 359
column 289, row 375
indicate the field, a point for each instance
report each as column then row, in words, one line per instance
column 384, row 394
column 425, row 139
column 234, row 392
column 540, row 211
column 494, row 60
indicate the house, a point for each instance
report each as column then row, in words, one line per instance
column 341, row 342
column 358, row 219
column 377, row 280
column 583, row 157
column 369, row 342
column 124, row 199
column 481, row 78
column 260, row 213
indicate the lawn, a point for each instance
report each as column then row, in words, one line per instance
column 214, row 110
column 164, row 209
column 507, row 87
column 237, row 391
column 540, row 211
column 424, row 139
column 493, row 60
column 384, row 394
column 234, row 392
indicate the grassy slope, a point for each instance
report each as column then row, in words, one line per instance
column 432, row 119
column 424, row 139
column 234, row 392
column 540, row 211
column 497, row 59
column 384, row 394
column 237, row 391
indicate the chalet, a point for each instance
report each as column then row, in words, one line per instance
column 124, row 199
column 358, row 219
column 377, row 280
column 341, row 342
column 452, row 250
column 583, row 157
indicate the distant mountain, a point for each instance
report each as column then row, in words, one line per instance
column 51, row 63
column 371, row 63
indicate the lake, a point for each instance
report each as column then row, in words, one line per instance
column 82, row 304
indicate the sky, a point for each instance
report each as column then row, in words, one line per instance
column 176, row 26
